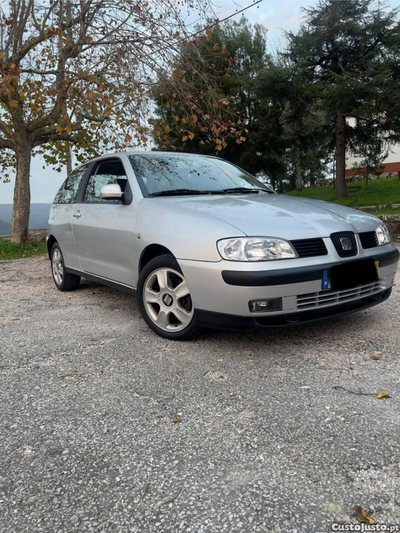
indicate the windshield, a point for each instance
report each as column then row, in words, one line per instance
column 190, row 174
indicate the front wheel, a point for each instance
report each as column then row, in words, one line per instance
column 164, row 299
column 62, row 279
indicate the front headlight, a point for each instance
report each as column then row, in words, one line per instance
column 255, row 249
column 382, row 235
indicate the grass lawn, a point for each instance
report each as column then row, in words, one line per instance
column 383, row 192
column 8, row 250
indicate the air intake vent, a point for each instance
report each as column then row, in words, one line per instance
column 368, row 239
column 328, row 298
column 310, row 247
column 345, row 243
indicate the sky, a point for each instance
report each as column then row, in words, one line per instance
column 276, row 15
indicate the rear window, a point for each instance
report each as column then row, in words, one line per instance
column 69, row 189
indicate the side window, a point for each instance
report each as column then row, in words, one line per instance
column 69, row 189
column 105, row 173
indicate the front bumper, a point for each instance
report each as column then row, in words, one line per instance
column 232, row 322
column 226, row 287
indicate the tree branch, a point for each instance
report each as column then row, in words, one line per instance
column 5, row 129
column 50, row 137
column 6, row 143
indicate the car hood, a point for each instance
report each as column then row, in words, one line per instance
column 277, row 216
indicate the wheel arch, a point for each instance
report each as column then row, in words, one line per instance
column 51, row 240
column 150, row 252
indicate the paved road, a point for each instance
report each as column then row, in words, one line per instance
column 266, row 442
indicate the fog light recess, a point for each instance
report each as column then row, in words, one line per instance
column 266, row 305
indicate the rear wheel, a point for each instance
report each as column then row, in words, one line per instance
column 62, row 279
column 164, row 299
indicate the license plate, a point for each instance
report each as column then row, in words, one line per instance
column 349, row 275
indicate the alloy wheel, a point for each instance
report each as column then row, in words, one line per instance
column 58, row 266
column 167, row 300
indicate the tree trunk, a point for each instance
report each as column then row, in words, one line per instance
column 22, row 194
column 297, row 164
column 341, row 187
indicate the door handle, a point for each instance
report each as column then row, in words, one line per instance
column 77, row 214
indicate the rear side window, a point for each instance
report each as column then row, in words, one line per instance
column 105, row 173
column 69, row 189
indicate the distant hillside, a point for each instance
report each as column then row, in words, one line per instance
column 5, row 227
column 38, row 219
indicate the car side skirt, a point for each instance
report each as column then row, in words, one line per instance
column 102, row 281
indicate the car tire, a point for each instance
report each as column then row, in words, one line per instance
column 164, row 299
column 63, row 280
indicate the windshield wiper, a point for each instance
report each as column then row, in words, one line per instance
column 268, row 191
column 245, row 190
column 177, row 192
column 183, row 192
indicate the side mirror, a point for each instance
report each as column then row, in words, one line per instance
column 112, row 191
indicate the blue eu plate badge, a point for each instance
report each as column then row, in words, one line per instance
column 325, row 280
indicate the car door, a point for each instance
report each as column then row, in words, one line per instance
column 60, row 218
column 104, row 229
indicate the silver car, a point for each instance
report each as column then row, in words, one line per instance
column 205, row 244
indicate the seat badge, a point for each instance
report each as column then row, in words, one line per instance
column 325, row 280
column 346, row 244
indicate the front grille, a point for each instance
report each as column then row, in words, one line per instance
column 368, row 239
column 343, row 240
column 328, row 298
column 310, row 247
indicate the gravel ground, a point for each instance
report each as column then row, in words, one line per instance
column 106, row 427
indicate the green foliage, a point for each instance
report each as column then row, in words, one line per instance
column 192, row 103
column 348, row 52
column 229, row 119
column 334, row 87
column 381, row 192
column 344, row 48
column 282, row 87
column 384, row 211
column 8, row 250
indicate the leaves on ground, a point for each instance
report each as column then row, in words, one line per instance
column 382, row 395
column 363, row 517
column 374, row 358
column 177, row 419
